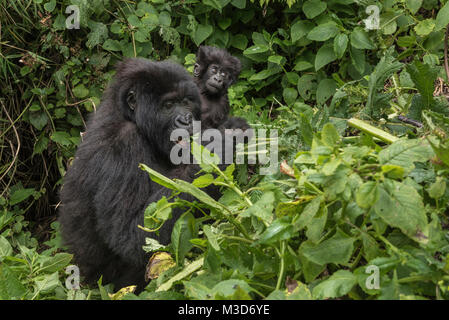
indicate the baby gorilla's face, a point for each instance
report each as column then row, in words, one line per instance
column 217, row 79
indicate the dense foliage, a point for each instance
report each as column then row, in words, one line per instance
column 355, row 186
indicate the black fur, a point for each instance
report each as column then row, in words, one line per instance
column 105, row 193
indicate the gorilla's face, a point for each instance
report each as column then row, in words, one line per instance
column 159, row 97
column 216, row 79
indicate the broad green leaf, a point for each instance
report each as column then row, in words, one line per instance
column 438, row 188
column 211, row 236
column 401, row 206
column 5, row 247
column 323, row 32
column 313, row 8
column 306, row 216
column 329, row 135
column 405, row 152
column 280, row 229
column 367, row 194
column 239, row 41
column 340, row 45
column 360, row 39
column 203, row 181
column 326, row 89
column 38, row 119
column 337, row 285
column 290, row 95
column 442, row 19
column 202, row 33
column 46, row 283
column 256, row 49
column 324, row 56
column 424, row 77
column 56, row 263
column 425, row 27
column 10, row 285
column 300, row 28
column 184, row 230
column 413, row 5
column 80, row 91
column 262, row 208
column 227, row 289
column 20, row 195
column 337, row 249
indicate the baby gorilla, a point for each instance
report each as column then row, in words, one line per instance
column 105, row 193
column 215, row 71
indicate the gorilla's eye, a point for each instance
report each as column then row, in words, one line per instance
column 131, row 99
column 214, row 69
column 168, row 104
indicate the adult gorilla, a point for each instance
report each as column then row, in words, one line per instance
column 105, row 193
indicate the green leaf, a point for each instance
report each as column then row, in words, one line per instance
column 38, row 119
column 425, row 27
column 360, row 39
column 280, row 229
column 313, row 8
column 340, row 45
column 438, row 188
column 228, row 288
column 262, row 209
column 239, row 41
column 413, row 5
column 424, row 77
column 61, row 137
column 99, row 32
column 20, row 195
column 326, row 89
column 442, row 19
column 308, row 213
column 80, row 91
column 367, row 194
column 203, row 181
column 289, row 95
column 46, row 283
column 211, row 236
column 5, row 247
column 323, row 32
column 10, row 285
column 324, row 56
column 184, row 230
column 159, row 178
column 337, row 249
column 56, row 263
column 50, row 6
column 299, row 29
column 112, row 45
column 202, row 33
column 401, row 206
column 337, row 285
column 405, row 152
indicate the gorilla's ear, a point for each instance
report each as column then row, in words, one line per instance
column 196, row 70
column 131, row 99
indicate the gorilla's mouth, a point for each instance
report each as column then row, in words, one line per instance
column 213, row 87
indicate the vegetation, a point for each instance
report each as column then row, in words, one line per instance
column 363, row 122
